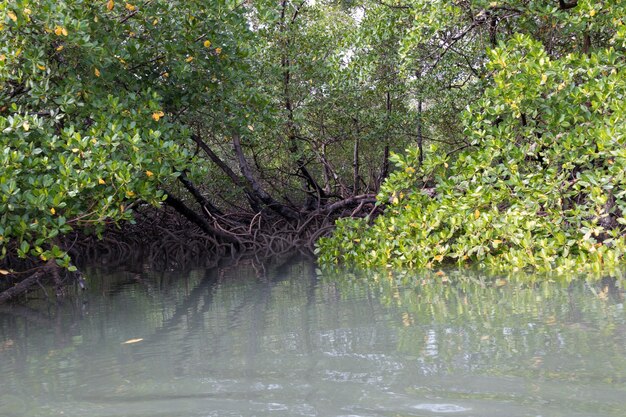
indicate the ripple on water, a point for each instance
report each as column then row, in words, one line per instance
column 441, row 408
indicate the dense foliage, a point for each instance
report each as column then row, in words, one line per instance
column 249, row 120
column 541, row 182
column 91, row 97
column 74, row 153
column 260, row 123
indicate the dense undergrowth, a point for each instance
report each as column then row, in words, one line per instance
column 540, row 186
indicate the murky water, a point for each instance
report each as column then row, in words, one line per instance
column 286, row 341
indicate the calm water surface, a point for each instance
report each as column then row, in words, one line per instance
column 289, row 341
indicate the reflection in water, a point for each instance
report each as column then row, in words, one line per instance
column 441, row 408
column 283, row 340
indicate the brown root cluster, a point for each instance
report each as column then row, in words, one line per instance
column 165, row 239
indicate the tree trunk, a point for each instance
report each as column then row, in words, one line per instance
column 254, row 203
column 292, row 131
column 25, row 284
column 420, row 138
column 355, row 161
column 257, row 189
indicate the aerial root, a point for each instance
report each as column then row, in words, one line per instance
column 164, row 239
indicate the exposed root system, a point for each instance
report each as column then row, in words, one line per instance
column 166, row 239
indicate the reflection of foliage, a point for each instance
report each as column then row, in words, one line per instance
column 513, row 326
column 235, row 329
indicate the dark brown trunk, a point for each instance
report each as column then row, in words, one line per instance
column 355, row 161
column 327, row 172
column 236, row 179
column 384, row 172
column 257, row 189
column 586, row 42
column 292, row 131
column 493, row 31
column 21, row 287
column 25, row 284
column 200, row 199
column 420, row 138
column 194, row 218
